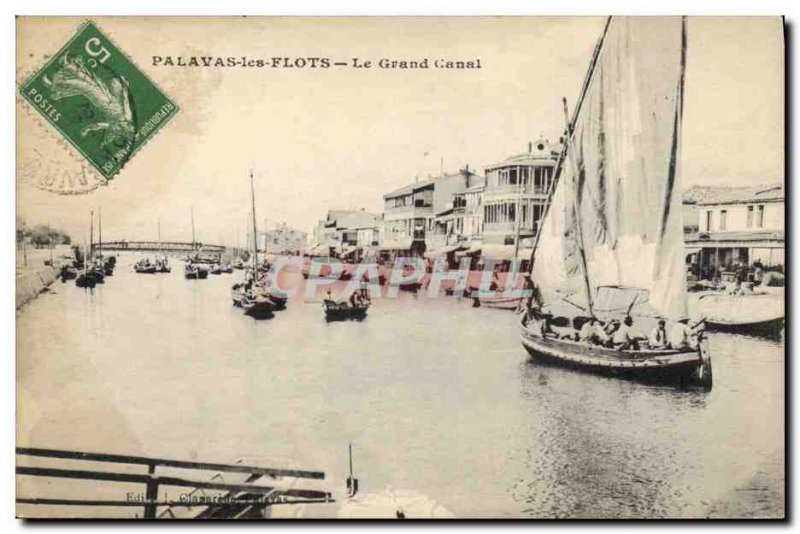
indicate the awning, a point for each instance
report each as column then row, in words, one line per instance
column 498, row 252
column 402, row 244
column 320, row 250
column 441, row 251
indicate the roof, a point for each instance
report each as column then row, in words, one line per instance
column 334, row 215
column 703, row 194
column 549, row 155
column 407, row 190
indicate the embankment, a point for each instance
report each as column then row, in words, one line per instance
column 32, row 282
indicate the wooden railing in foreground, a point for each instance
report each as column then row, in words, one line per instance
column 241, row 499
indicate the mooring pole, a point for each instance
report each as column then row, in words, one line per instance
column 151, row 494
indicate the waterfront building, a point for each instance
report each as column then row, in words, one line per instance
column 326, row 237
column 419, row 217
column 405, row 217
column 514, row 198
column 357, row 235
column 452, row 225
column 735, row 225
column 284, row 240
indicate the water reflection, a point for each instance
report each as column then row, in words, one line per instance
column 435, row 395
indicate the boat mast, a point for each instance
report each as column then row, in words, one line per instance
column 91, row 234
column 570, row 127
column 255, row 235
column 192, row 212
column 518, row 215
column 100, row 231
column 578, row 226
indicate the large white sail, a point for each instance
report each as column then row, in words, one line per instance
column 615, row 215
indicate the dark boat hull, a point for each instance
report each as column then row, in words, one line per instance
column 261, row 308
column 339, row 312
column 672, row 367
column 146, row 270
column 85, row 280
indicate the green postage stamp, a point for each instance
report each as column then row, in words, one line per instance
column 99, row 100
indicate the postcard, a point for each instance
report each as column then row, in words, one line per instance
column 400, row 267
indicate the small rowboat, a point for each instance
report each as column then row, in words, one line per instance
column 145, row 268
column 343, row 311
column 498, row 301
column 663, row 366
column 195, row 272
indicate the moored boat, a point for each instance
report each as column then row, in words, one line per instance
column 85, row 280
column 194, row 271
column 759, row 313
column 257, row 305
column 163, row 266
column 144, row 267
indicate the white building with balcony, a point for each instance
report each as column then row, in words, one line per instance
column 736, row 225
column 516, row 193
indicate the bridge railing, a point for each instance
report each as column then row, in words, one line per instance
column 166, row 246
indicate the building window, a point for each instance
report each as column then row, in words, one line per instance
column 708, row 220
column 749, row 216
column 760, row 216
column 723, row 220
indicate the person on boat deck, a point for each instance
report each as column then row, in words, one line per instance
column 610, row 329
column 657, row 339
column 539, row 323
column 354, row 300
column 364, row 286
column 494, row 283
column 592, row 332
column 623, row 338
column 682, row 335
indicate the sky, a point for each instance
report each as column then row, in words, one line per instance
column 339, row 138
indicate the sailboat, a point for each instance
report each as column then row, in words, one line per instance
column 85, row 279
column 162, row 262
column 106, row 264
column 611, row 242
column 94, row 267
column 251, row 295
column 194, row 270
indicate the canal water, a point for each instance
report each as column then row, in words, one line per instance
column 436, row 397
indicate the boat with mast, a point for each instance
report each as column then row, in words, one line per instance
column 95, row 266
column 194, row 270
column 611, row 242
column 251, row 295
column 107, row 264
column 86, row 277
column 162, row 262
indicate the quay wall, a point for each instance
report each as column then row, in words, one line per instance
column 33, row 282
